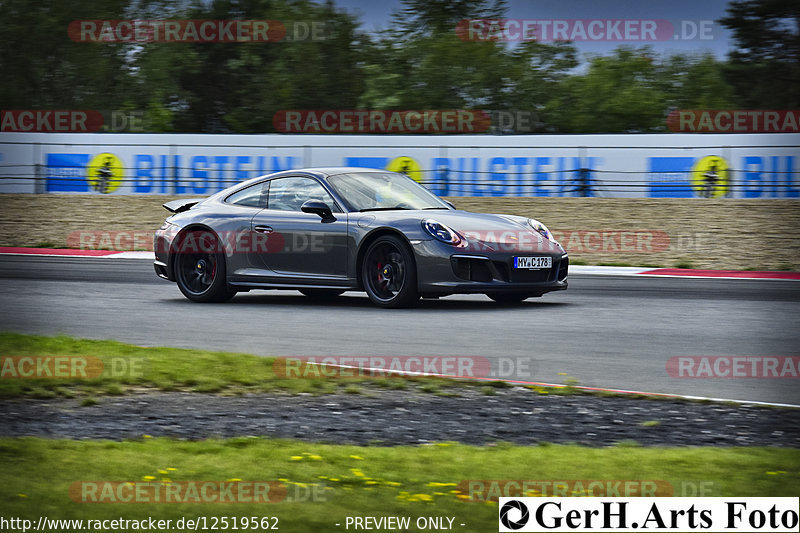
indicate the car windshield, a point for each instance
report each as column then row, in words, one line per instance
column 375, row 191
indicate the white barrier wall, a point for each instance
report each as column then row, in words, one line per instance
column 658, row 165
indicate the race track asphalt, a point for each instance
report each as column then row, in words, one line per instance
column 605, row 331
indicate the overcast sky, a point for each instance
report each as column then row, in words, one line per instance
column 375, row 15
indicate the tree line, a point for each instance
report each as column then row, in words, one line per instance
column 419, row 62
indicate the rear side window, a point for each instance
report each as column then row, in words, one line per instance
column 253, row 196
column 288, row 194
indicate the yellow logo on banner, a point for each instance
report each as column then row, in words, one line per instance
column 105, row 173
column 406, row 165
column 710, row 177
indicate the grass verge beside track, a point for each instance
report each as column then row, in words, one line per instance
column 127, row 367
column 327, row 483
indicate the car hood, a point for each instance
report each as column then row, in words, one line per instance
column 483, row 232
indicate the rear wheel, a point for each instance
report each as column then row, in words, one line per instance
column 322, row 294
column 389, row 273
column 200, row 268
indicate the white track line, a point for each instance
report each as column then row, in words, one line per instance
column 379, row 371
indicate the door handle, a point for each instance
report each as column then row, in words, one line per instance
column 263, row 229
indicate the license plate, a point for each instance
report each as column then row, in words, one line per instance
column 533, row 263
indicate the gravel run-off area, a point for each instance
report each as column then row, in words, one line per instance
column 407, row 417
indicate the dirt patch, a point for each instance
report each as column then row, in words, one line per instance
column 702, row 233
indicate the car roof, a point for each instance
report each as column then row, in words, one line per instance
column 332, row 171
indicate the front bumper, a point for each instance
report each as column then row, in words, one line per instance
column 442, row 269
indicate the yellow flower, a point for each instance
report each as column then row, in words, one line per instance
column 162, row 472
column 357, row 457
column 296, row 458
column 437, row 484
column 357, row 472
column 234, row 479
column 371, row 482
column 315, row 457
column 423, row 497
column 22, row 495
column 147, row 436
column 462, row 496
column 172, row 469
column 149, row 478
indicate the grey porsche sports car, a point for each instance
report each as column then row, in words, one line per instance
column 324, row 231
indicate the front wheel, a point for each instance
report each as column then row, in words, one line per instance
column 389, row 273
column 200, row 268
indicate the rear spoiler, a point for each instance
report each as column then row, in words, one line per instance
column 179, row 206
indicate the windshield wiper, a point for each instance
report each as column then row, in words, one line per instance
column 397, row 207
column 426, row 208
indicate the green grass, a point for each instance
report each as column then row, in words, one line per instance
column 326, row 483
column 127, row 367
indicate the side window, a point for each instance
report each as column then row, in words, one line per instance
column 288, row 194
column 253, row 196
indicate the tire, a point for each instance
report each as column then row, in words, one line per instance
column 389, row 273
column 508, row 297
column 200, row 267
column 322, row 294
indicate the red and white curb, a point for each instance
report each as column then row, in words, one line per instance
column 72, row 252
column 683, row 272
column 573, row 269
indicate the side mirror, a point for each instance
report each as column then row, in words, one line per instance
column 318, row 207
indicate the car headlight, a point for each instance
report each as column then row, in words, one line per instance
column 441, row 232
column 541, row 229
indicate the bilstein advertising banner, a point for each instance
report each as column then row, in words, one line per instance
column 655, row 166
